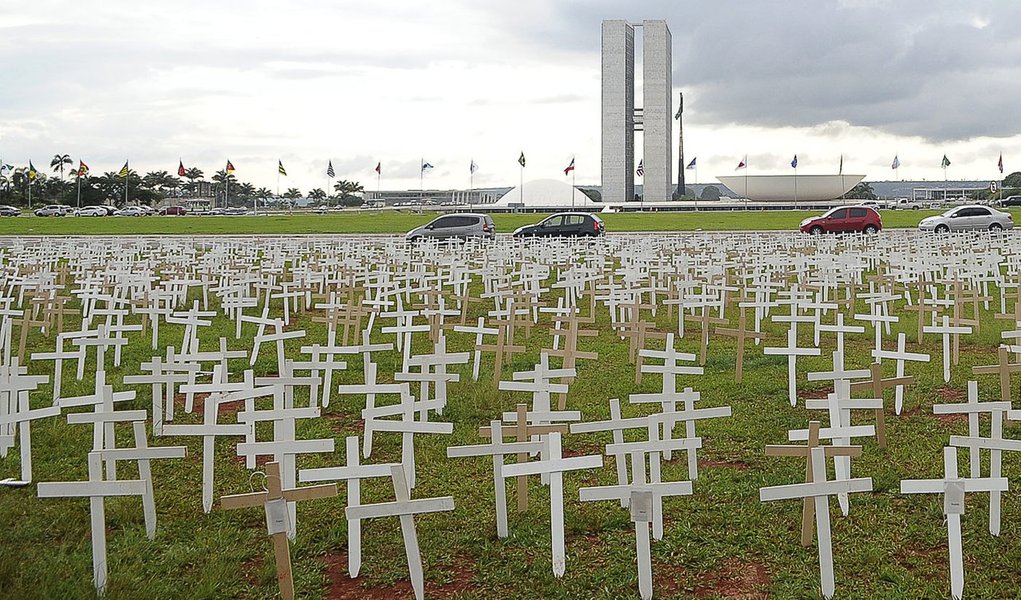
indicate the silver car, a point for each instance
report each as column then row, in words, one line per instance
column 457, row 225
column 970, row 217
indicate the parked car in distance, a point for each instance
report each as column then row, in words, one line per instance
column 457, row 225
column 564, row 225
column 174, row 210
column 92, row 211
column 906, row 203
column 52, row 210
column 844, row 219
column 9, row 211
column 1011, row 201
column 970, row 217
column 876, row 204
column 131, row 211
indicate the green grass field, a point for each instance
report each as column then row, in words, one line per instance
column 722, row 542
column 400, row 222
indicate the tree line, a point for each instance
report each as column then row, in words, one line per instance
column 62, row 185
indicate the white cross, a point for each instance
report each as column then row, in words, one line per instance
column 15, row 410
column 953, row 489
column 496, row 449
column 946, row 330
column 407, row 426
column 352, row 473
column 792, row 352
column 819, row 489
column 641, row 496
column 406, row 509
column 900, row 356
column 95, row 489
column 974, row 442
column 616, row 425
column 480, row 330
column 555, row 466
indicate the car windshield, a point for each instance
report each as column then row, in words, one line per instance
column 949, row 212
column 830, row 212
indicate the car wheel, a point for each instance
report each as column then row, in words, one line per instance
column 815, row 230
column 915, row 207
column 995, row 227
column 942, row 229
column 870, row 230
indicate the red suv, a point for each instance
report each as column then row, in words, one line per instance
column 173, row 210
column 845, row 219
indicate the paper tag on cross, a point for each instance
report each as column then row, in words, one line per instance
column 641, row 506
column 953, row 497
column 276, row 516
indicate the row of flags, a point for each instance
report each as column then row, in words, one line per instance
column 743, row 164
column 83, row 169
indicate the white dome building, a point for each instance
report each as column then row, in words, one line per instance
column 546, row 193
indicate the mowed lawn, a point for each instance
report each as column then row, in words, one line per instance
column 394, row 222
column 721, row 542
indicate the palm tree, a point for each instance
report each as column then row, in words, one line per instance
column 317, row 194
column 192, row 175
column 225, row 181
column 58, row 162
column 292, row 194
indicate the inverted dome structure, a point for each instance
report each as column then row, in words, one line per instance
column 546, row 193
column 787, row 188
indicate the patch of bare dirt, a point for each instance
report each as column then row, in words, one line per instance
column 739, row 465
column 735, row 579
column 816, row 394
column 952, row 394
column 340, row 585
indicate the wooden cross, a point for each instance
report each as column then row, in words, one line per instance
column 819, row 490
column 405, row 508
column 1003, row 368
column 877, row 385
column 555, row 465
column 704, row 320
column 741, row 334
column 953, row 489
column 808, row 509
column 502, row 349
column 274, row 501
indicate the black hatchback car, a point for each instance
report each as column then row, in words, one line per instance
column 564, row 225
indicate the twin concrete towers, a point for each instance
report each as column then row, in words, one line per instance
column 621, row 120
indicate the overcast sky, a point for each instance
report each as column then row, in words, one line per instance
column 307, row 81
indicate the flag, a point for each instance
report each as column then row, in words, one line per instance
column 641, row 168
column 280, row 168
column 230, row 168
column 743, row 164
column 896, row 163
column 569, row 168
column 83, row 169
column 999, row 164
column 180, row 168
column 5, row 168
column 521, row 160
column 473, row 167
column 124, row 170
column 946, row 162
column 691, row 165
column 426, row 167
column 32, row 173
column 379, row 168
column 840, row 171
column 329, row 170
column 794, row 163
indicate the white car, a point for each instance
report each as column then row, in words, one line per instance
column 91, row 211
column 970, row 217
column 130, row 211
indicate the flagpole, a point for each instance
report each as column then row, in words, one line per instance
column 795, row 186
column 471, row 182
column 30, row 192
column 574, row 183
column 126, row 173
column 79, row 188
column 421, row 183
